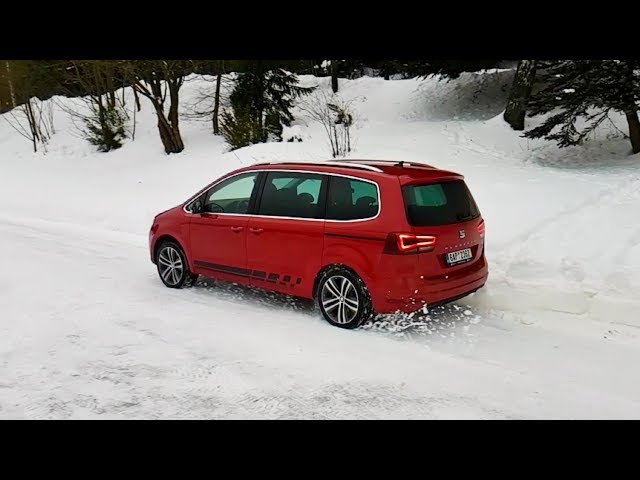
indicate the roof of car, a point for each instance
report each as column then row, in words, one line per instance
column 407, row 171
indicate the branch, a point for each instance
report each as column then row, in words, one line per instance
column 22, row 131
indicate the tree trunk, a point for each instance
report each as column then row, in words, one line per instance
column 167, row 125
column 12, row 93
column 102, row 118
column 170, row 137
column 216, row 106
column 173, row 104
column 334, row 76
column 137, row 99
column 112, row 99
column 348, row 139
column 386, row 69
column 133, row 133
column 111, row 90
column 519, row 95
column 33, row 124
column 170, row 132
column 169, row 128
column 634, row 130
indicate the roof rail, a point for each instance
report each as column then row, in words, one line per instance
column 393, row 162
column 354, row 165
column 330, row 163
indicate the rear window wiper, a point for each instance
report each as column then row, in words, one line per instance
column 463, row 218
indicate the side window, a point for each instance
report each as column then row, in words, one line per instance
column 280, row 182
column 351, row 199
column 232, row 195
column 288, row 194
column 310, row 186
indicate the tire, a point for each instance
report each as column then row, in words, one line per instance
column 343, row 298
column 173, row 267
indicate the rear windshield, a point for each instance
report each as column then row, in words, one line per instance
column 439, row 203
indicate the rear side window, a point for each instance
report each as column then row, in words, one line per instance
column 350, row 199
column 289, row 194
column 439, row 204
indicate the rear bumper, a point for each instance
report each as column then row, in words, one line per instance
column 431, row 291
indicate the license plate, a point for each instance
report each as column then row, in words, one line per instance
column 460, row 256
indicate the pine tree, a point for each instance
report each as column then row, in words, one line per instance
column 586, row 90
column 281, row 91
column 103, row 120
column 262, row 99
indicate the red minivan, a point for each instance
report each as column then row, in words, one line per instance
column 358, row 237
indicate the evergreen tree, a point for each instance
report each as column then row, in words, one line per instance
column 262, row 100
column 586, row 90
column 103, row 120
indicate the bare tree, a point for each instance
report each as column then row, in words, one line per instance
column 207, row 104
column 152, row 79
column 31, row 118
column 336, row 117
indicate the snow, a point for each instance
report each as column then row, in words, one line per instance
column 88, row 330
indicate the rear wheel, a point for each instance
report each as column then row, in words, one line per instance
column 343, row 298
column 173, row 267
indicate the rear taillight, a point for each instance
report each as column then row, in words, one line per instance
column 481, row 228
column 400, row 243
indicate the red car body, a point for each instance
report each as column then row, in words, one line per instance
column 404, row 266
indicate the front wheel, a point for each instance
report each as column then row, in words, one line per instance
column 343, row 298
column 173, row 267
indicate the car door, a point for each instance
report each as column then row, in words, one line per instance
column 285, row 238
column 218, row 231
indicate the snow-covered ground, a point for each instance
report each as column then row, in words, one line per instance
column 88, row 330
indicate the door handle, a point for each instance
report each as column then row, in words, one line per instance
column 236, row 229
column 257, row 231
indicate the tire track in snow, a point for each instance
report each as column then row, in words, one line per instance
column 56, row 228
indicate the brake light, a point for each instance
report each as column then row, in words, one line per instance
column 481, row 228
column 399, row 243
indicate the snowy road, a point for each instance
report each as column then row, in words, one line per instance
column 89, row 331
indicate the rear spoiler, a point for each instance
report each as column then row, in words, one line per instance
column 427, row 180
